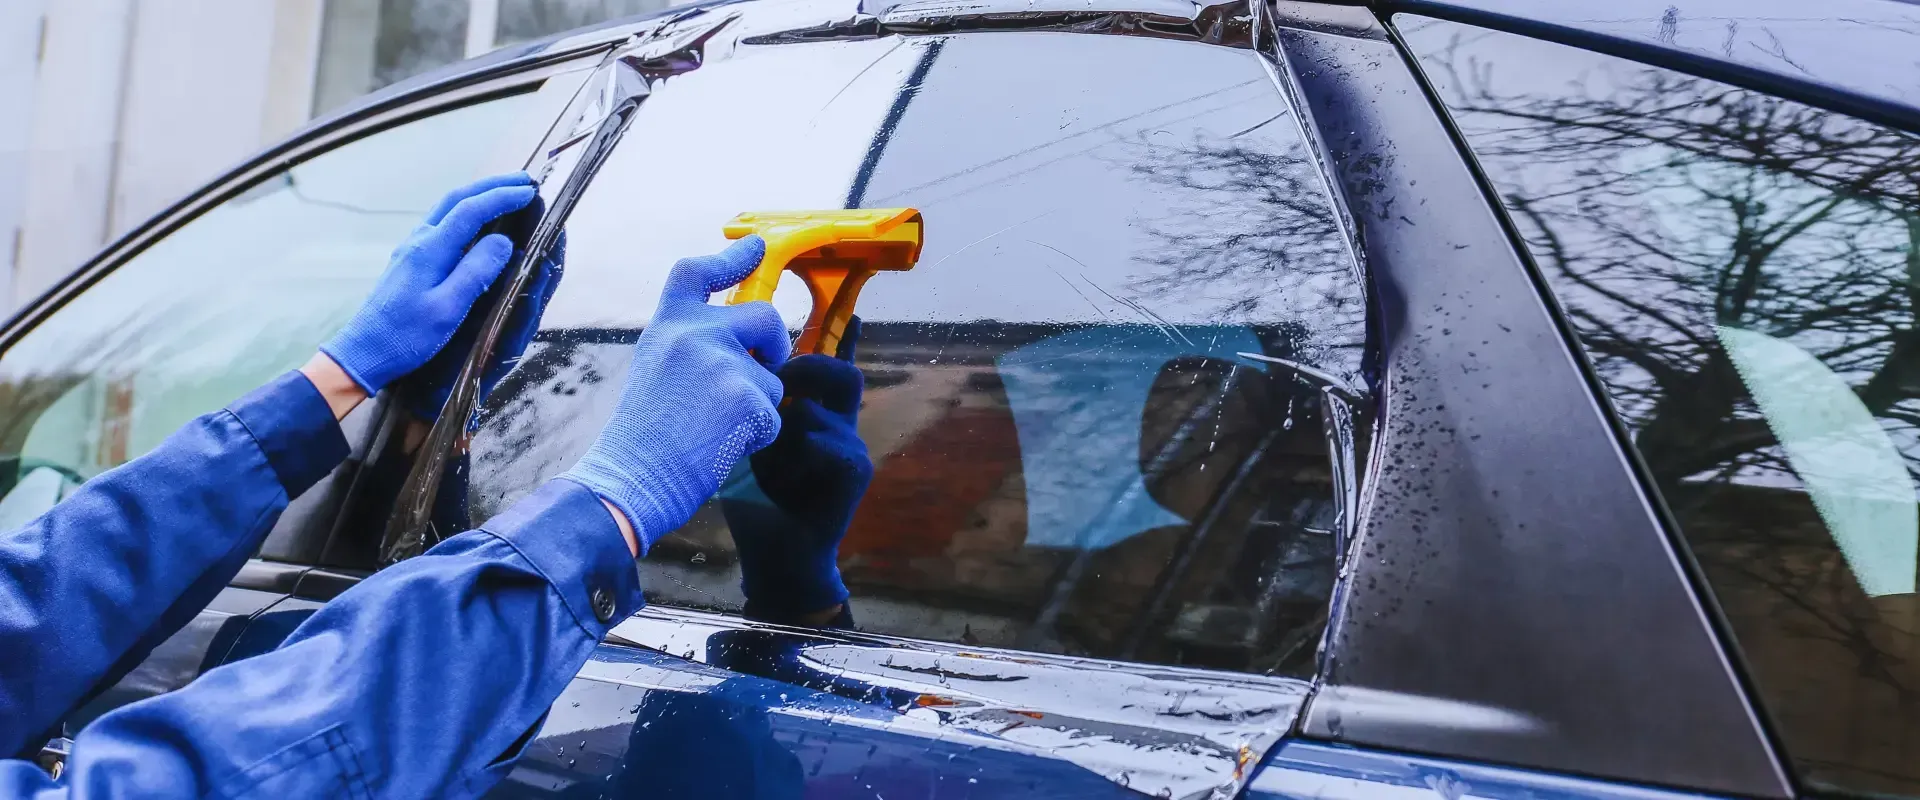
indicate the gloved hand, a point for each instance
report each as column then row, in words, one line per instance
column 429, row 285
column 699, row 395
column 435, row 378
column 790, row 512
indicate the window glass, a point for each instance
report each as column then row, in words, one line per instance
column 239, row 295
column 1742, row 271
column 1087, row 435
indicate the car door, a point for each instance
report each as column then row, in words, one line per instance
column 234, row 286
column 1112, row 477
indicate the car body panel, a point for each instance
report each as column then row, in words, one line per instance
column 1550, row 617
column 1308, row 770
column 757, row 710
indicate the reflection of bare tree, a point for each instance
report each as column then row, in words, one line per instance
column 1254, row 222
column 1661, row 206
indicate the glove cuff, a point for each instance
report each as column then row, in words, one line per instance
column 343, row 354
column 641, row 511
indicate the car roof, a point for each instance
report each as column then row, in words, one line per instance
column 1846, row 55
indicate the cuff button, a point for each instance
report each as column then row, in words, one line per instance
column 603, row 605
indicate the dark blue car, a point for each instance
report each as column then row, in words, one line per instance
column 1466, row 398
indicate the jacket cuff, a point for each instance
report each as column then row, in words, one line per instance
column 295, row 428
column 565, row 532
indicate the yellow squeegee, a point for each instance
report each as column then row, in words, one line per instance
column 834, row 252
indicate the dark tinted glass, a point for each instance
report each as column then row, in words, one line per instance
column 1097, row 407
column 1743, row 273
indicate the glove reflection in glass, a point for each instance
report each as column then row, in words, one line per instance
column 791, row 505
column 700, row 394
column 430, row 284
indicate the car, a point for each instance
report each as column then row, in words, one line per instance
column 1294, row 399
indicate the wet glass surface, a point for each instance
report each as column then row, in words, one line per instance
column 239, row 295
column 1743, row 273
column 1087, row 436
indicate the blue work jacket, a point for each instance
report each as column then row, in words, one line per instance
column 424, row 680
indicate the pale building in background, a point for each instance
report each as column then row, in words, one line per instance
column 117, row 108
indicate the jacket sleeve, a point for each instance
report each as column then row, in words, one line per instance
column 425, row 680
column 124, row 557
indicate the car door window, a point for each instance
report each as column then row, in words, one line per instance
column 1100, row 407
column 240, row 294
column 1742, row 272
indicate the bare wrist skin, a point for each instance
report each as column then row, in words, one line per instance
column 340, row 392
column 626, row 528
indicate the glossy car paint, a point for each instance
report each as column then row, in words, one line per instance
column 783, row 712
column 1305, row 770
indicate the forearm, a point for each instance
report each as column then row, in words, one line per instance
column 453, row 655
column 85, row 582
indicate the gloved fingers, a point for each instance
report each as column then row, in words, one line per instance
column 833, row 383
column 848, row 338
column 694, row 279
column 758, row 327
column 546, row 280
column 526, row 316
column 471, row 214
column 476, row 271
column 454, row 197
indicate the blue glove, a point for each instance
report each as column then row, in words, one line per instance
column 429, row 285
column 790, row 513
column 435, row 378
column 699, row 395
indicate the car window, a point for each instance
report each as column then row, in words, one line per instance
column 1742, row 271
column 242, row 293
column 1095, row 406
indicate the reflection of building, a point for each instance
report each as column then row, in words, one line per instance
column 117, row 108
column 1003, row 513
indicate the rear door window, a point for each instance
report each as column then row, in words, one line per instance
column 1107, row 407
column 1743, row 272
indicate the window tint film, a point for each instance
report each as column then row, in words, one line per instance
column 239, row 295
column 1743, row 273
column 1096, row 407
